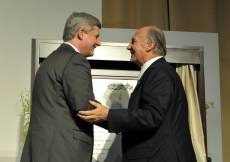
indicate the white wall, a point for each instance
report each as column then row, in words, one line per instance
column 20, row 22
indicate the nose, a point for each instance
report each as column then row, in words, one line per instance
column 98, row 42
column 129, row 46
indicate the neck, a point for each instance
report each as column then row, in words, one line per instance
column 73, row 42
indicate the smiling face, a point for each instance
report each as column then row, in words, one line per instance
column 90, row 41
column 137, row 48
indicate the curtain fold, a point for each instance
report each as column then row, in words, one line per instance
column 188, row 76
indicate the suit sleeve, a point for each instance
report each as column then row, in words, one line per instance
column 103, row 124
column 77, row 83
column 148, row 105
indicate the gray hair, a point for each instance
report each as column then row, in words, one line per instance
column 77, row 21
column 157, row 36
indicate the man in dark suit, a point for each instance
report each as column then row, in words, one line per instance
column 62, row 87
column 155, row 126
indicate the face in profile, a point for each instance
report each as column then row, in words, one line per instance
column 91, row 41
column 137, row 48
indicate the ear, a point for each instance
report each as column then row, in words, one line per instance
column 150, row 46
column 80, row 33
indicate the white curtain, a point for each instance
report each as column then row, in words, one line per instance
column 188, row 76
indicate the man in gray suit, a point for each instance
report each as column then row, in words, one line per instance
column 155, row 126
column 62, row 87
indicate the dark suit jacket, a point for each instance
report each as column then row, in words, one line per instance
column 62, row 86
column 155, row 127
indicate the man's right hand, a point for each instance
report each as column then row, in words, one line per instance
column 99, row 114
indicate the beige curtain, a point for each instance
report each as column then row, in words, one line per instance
column 192, row 16
column 174, row 15
column 134, row 14
column 188, row 75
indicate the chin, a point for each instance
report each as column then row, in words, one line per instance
column 90, row 55
column 132, row 60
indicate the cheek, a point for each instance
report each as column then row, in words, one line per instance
column 92, row 41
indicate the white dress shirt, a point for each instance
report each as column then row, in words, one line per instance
column 75, row 48
column 146, row 65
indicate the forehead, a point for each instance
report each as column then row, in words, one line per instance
column 140, row 34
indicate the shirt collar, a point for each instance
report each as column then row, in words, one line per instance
column 75, row 48
column 146, row 65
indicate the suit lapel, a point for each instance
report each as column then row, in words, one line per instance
column 138, row 83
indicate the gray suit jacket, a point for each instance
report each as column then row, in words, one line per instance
column 62, row 87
